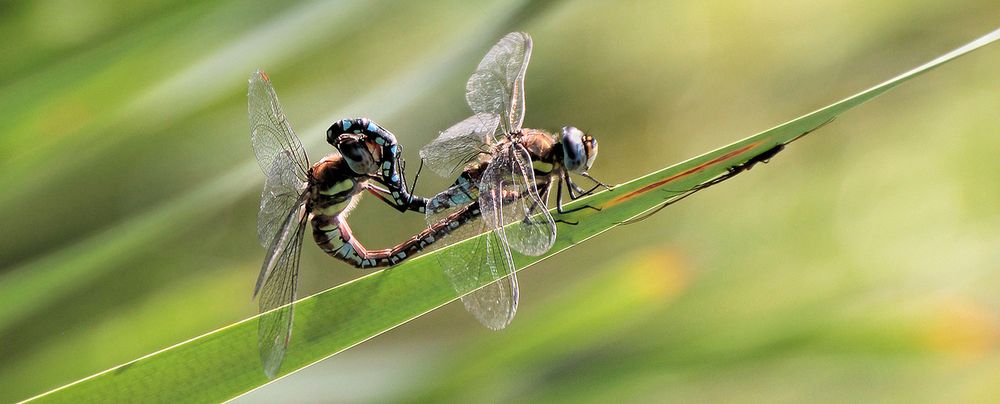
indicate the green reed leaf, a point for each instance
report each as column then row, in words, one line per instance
column 224, row 363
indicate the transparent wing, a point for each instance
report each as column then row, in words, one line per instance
column 495, row 304
column 460, row 144
column 270, row 132
column 497, row 85
column 489, row 259
column 281, row 191
column 276, row 287
column 510, row 202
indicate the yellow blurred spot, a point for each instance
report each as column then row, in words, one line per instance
column 658, row 274
column 963, row 328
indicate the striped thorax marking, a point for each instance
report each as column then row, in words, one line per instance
column 337, row 188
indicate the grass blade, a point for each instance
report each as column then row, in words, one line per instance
column 223, row 364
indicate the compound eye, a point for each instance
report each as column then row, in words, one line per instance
column 356, row 154
column 574, row 152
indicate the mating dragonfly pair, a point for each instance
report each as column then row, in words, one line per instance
column 505, row 175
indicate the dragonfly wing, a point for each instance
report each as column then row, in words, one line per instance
column 510, row 200
column 281, row 191
column 279, row 153
column 270, row 132
column 461, row 144
column 495, row 304
column 497, row 85
column 276, row 287
column 487, row 260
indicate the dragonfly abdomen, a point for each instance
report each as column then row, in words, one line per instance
column 334, row 236
column 464, row 191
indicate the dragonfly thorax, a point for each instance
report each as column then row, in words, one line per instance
column 332, row 177
column 573, row 150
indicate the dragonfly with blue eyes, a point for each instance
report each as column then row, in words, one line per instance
column 506, row 173
column 297, row 192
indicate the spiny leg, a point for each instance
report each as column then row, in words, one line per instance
column 559, row 208
column 381, row 194
column 415, row 204
column 596, row 181
column 580, row 193
column 559, row 204
column 597, row 184
column 569, row 189
column 416, row 177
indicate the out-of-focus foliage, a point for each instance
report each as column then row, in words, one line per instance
column 860, row 265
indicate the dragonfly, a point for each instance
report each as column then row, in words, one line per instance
column 506, row 173
column 323, row 193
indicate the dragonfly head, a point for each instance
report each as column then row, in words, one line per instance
column 357, row 151
column 579, row 149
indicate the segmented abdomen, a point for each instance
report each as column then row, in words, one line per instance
column 333, row 234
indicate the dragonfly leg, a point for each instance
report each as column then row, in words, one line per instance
column 382, row 194
column 569, row 189
column 416, row 203
column 559, row 207
column 415, row 179
column 580, row 193
column 598, row 182
column 410, row 203
column 563, row 211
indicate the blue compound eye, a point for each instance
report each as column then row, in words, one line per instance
column 574, row 150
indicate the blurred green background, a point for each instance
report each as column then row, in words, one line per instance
column 861, row 264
